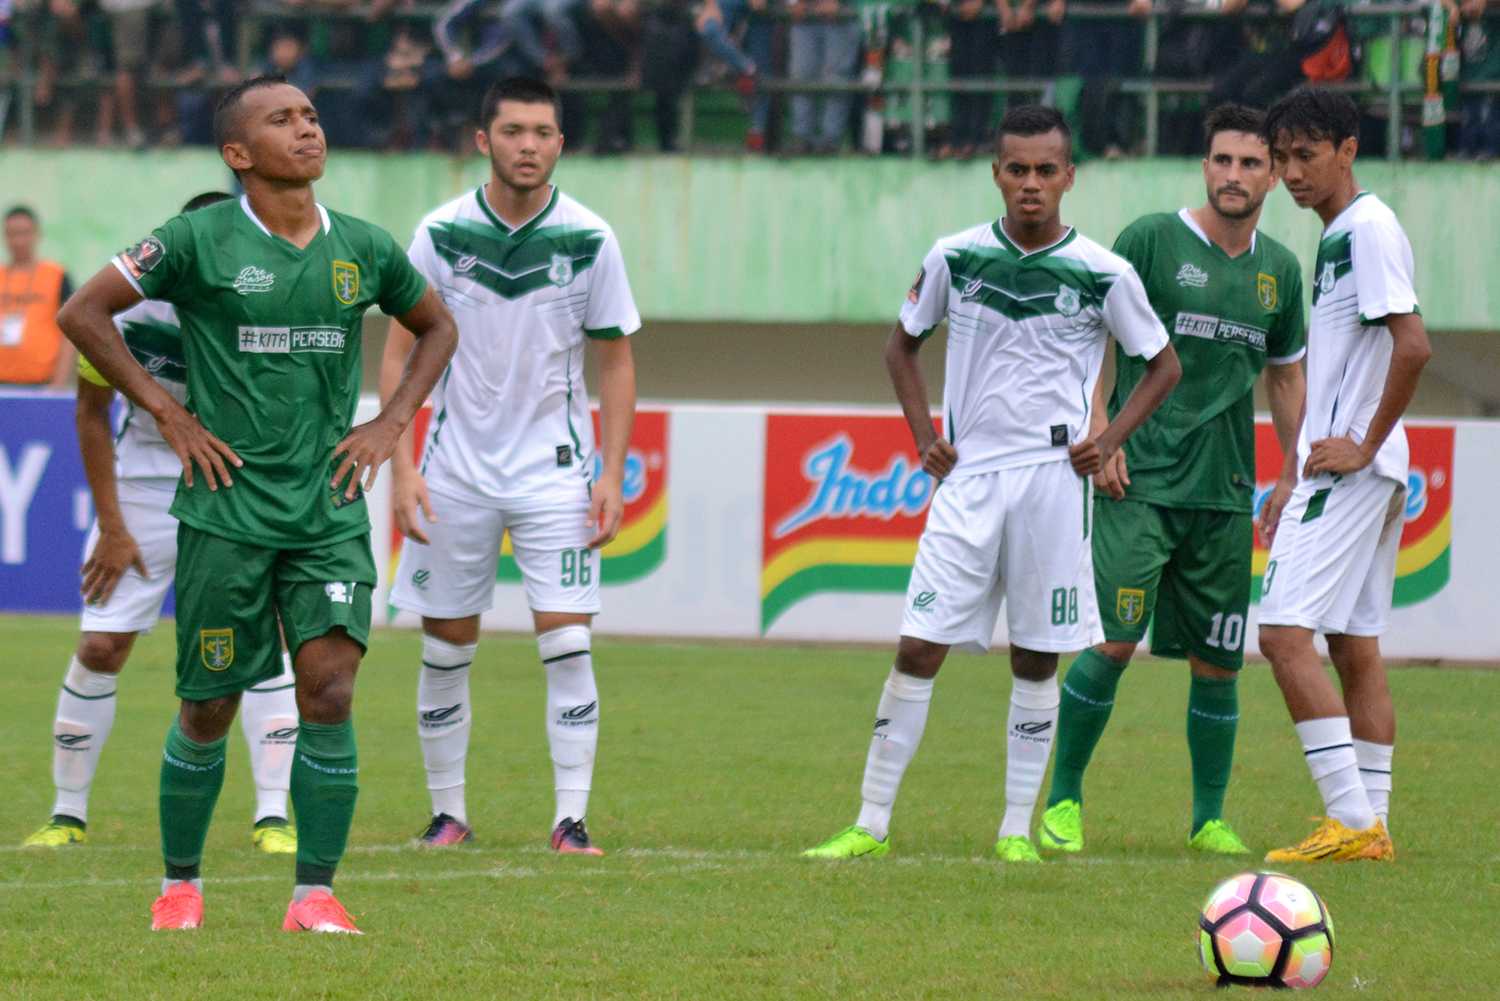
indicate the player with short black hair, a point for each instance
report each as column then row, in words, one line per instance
column 1334, row 520
column 1030, row 304
column 270, row 290
column 1172, row 515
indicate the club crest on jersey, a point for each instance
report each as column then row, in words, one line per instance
column 1130, row 605
column 217, row 648
column 1265, row 290
column 346, row 282
column 1326, row 278
column 561, row 271
column 253, row 279
column 1189, row 276
column 1067, row 302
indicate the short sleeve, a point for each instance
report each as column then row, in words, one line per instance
column 1383, row 270
column 611, row 310
column 927, row 303
column 1134, row 244
column 1129, row 316
column 1287, row 340
column 401, row 285
column 423, row 255
column 157, row 266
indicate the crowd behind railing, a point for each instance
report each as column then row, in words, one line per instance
column 785, row 76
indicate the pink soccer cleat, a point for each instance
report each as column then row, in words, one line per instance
column 181, row 906
column 318, row 911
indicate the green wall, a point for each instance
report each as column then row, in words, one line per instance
column 768, row 240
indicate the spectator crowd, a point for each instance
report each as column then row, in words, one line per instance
column 403, row 74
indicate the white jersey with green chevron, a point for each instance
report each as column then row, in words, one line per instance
column 154, row 337
column 1026, row 336
column 511, row 414
column 1364, row 274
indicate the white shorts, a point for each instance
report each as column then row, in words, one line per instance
column 136, row 603
column 454, row 576
column 1332, row 567
column 1019, row 534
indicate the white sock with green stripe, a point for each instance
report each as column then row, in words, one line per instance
column 1028, row 744
column 1375, row 774
column 899, row 722
column 268, row 717
column 572, row 716
column 1328, row 747
column 85, row 715
column 444, row 720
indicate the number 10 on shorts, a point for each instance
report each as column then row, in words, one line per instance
column 1065, row 606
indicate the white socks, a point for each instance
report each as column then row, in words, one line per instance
column 268, row 717
column 572, row 716
column 899, row 722
column 443, row 721
column 1375, row 773
column 85, row 715
column 1028, row 744
column 1329, row 748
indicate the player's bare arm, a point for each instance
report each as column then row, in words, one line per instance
column 1112, row 477
column 87, row 320
column 1163, row 372
column 408, row 485
column 936, row 452
column 116, row 551
column 616, row 419
column 1409, row 354
column 369, row 445
column 1286, row 389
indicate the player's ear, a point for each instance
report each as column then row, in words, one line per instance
column 1069, row 175
column 995, row 169
column 1348, row 149
column 482, row 141
column 236, row 156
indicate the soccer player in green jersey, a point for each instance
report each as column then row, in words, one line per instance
column 270, row 290
column 1172, row 516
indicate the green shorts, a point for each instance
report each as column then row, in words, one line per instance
column 1189, row 571
column 230, row 596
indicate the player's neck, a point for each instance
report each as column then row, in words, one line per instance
column 22, row 263
column 289, row 212
column 515, row 206
column 1330, row 208
column 1233, row 236
column 1030, row 239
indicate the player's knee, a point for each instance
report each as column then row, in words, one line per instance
column 207, row 721
column 1282, row 643
column 1117, row 652
column 460, row 632
column 104, row 653
column 1032, row 665
column 919, row 658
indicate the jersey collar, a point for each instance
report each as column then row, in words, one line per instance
column 1192, row 224
column 1010, row 244
column 245, row 204
column 525, row 229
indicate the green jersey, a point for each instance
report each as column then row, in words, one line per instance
column 1228, row 317
column 271, row 338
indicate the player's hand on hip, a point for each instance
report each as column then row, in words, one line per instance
column 1113, row 477
column 606, row 511
column 1088, row 456
column 1335, row 455
column 364, row 450
column 114, row 553
column 410, row 495
column 193, row 443
column 1270, row 511
column 939, row 458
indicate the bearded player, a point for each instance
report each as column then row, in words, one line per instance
column 1030, row 304
column 531, row 277
column 1172, row 515
column 270, row 290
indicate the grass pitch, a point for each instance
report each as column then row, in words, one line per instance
column 717, row 764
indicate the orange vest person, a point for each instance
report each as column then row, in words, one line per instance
column 33, row 351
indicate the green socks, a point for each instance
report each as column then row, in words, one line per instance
column 191, row 776
column 1212, row 718
column 1088, row 695
column 325, row 773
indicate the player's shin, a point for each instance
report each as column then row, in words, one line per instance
column 1375, row 774
column 325, row 785
column 268, row 717
column 1328, row 747
column 444, row 720
column 572, row 716
column 1028, row 745
column 899, row 722
column 1087, row 699
column 1213, row 717
column 85, row 715
column 191, row 776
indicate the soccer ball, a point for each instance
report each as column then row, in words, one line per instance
column 1265, row 930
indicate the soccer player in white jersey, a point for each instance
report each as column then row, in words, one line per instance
column 531, row 277
column 1335, row 518
column 1030, row 303
column 129, row 563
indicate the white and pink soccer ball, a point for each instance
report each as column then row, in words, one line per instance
column 1264, row 929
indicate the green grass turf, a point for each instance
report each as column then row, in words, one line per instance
column 717, row 764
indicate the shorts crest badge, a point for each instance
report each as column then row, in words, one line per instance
column 217, row 648
column 1067, row 302
column 346, row 282
column 1130, row 605
column 561, row 271
column 1265, row 290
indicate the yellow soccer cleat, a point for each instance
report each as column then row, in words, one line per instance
column 1016, row 849
column 1062, row 827
column 1333, row 842
column 275, row 839
column 851, row 842
column 59, row 832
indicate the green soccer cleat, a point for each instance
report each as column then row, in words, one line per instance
column 1016, row 848
column 59, row 832
column 1062, row 827
column 851, row 842
column 1217, row 838
column 275, row 838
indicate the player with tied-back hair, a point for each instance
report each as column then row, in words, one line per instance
column 270, row 290
column 1030, row 304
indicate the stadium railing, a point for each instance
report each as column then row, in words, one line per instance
column 1393, row 98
